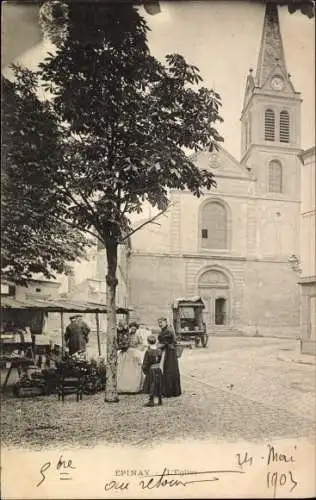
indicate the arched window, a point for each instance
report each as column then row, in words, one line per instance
column 269, row 125
column 214, row 226
column 284, row 126
column 213, row 278
column 275, row 177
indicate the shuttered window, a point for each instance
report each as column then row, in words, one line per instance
column 284, row 126
column 204, row 234
column 269, row 125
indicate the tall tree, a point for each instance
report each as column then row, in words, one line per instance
column 33, row 240
column 126, row 123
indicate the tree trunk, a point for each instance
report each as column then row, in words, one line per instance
column 111, row 394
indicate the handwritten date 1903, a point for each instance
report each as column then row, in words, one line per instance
column 280, row 479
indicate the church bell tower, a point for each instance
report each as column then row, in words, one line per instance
column 270, row 119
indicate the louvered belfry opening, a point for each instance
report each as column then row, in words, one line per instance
column 269, row 125
column 284, row 126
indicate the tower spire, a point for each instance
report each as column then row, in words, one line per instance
column 271, row 49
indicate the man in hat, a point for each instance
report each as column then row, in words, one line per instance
column 76, row 335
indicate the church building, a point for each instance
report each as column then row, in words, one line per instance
column 232, row 246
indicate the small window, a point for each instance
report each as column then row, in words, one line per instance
column 38, row 290
column 204, row 234
column 187, row 313
column 4, row 289
column 8, row 290
column 284, row 126
column 275, row 177
column 269, row 125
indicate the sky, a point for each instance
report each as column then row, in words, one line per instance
column 221, row 37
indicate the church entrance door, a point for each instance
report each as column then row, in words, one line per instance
column 220, row 311
column 214, row 290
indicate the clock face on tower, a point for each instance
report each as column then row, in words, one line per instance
column 277, row 83
column 214, row 160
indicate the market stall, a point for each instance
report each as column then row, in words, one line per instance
column 22, row 318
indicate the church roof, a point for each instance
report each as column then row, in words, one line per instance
column 221, row 162
column 271, row 49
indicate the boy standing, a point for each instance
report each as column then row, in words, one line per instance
column 153, row 373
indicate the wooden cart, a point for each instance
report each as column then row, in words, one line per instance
column 188, row 320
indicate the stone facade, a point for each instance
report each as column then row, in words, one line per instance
column 238, row 263
column 87, row 281
column 260, row 287
column 35, row 289
column 308, row 253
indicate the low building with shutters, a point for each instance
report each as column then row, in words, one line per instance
column 308, row 252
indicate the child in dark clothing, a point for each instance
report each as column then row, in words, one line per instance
column 153, row 373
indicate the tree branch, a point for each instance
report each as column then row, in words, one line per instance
column 91, row 214
column 150, row 221
column 74, row 226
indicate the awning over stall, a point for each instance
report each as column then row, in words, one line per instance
column 57, row 305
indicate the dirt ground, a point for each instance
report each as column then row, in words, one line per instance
column 234, row 389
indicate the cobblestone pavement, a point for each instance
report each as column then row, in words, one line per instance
column 236, row 389
column 249, row 367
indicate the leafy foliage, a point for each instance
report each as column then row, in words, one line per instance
column 306, row 7
column 33, row 240
column 120, row 123
column 124, row 119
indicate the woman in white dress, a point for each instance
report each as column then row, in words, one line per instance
column 129, row 363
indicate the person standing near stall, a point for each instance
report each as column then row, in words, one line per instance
column 122, row 335
column 77, row 335
column 129, row 365
column 171, row 373
column 152, row 370
column 135, row 339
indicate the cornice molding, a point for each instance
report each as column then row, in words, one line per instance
column 211, row 257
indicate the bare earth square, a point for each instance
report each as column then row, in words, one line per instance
column 236, row 389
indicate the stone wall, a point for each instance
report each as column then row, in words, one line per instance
column 263, row 296
column 271, row 299
column 155, row 282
